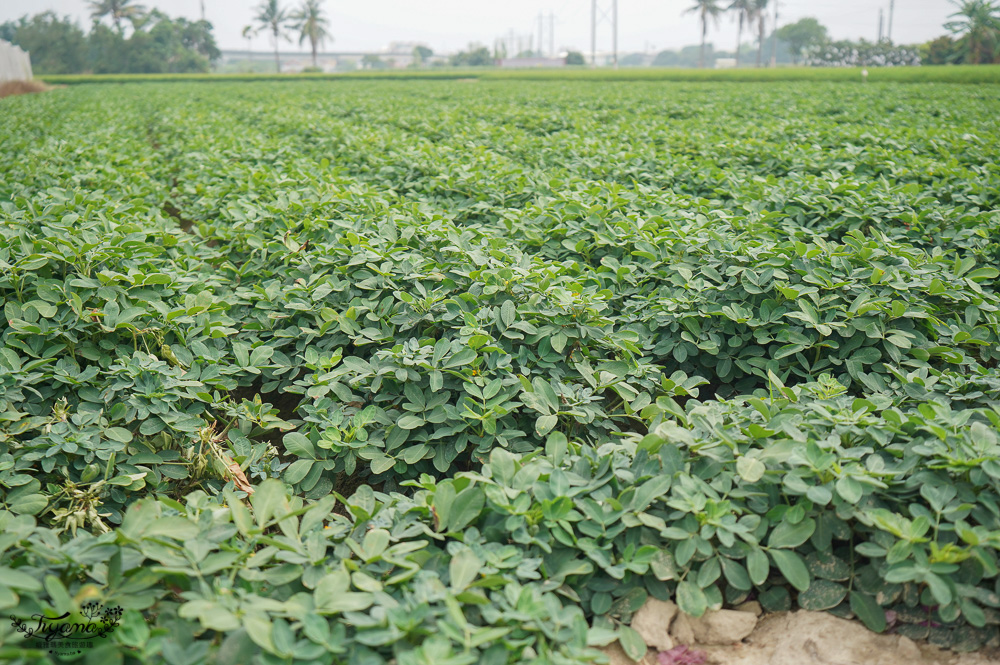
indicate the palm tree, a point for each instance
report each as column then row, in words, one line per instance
column 248, row 34
column 758, row 12
column 274, row 18
column 979, row 21
column 312, row 24
column 705, row 9
column 116, row 9
column 743, row 11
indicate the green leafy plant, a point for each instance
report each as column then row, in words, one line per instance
column 422, row 374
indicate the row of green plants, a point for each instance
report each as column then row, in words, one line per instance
column 542, row 557
column 984, row 74
column 413, row 371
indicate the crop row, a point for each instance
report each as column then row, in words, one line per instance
column 325, row 371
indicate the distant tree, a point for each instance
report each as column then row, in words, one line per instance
column 690, row 56
column 57, row 45
column 634, row 60
column 116, row 9
column 157, row 44
column 941, row 51
column 575, row 58
column 106, row 50
column 706, row 10
column 311, row 23
column 978, row 21
column 197, row 36
column 476, row 56
column 421, row 54
column 802, row 34
column 743, row 9
column 666, row 59
column 273, row 18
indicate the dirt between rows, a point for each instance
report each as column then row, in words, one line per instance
column 817, row 638
column 785, row 638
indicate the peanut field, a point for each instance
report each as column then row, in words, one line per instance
column 454, row 372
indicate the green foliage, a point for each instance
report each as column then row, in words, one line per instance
column 929, row 74
column 157, row 45
column 57, row 45
column 978, row 22
column 802, row 34
column 417, row 371
column 476, row 56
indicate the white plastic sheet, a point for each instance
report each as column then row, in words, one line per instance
column 15, row 64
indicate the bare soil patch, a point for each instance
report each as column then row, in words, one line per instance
column 729, row 637
column 10, row 88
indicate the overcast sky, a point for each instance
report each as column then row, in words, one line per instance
column 448, row 25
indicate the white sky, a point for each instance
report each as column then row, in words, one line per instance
column 448, row 25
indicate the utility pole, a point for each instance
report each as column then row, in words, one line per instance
column 541, row 33
column 613, row 20
column 879, row 26
column 892, row 8
column 552, row 35
column 614, row 28
column 774, row 37
column 202, row 10
column 593, row 33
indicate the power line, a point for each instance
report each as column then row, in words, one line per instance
column 552, row 34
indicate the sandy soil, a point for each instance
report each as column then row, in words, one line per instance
column 816, row 638
column 731, row 637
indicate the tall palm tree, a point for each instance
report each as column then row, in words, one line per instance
column 758, row 12
column 274, row 18
column 248, row 34
column 116, row 9
column 979, row 21
column 311, row 23
column 706, row 9
column 743, row 12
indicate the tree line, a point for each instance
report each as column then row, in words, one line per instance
column 141, row 41
column 156, row 44
column 974, row 38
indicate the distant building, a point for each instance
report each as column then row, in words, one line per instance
column 402, row 48
column 725, row 63
column 296, row 61
column 526, row 63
